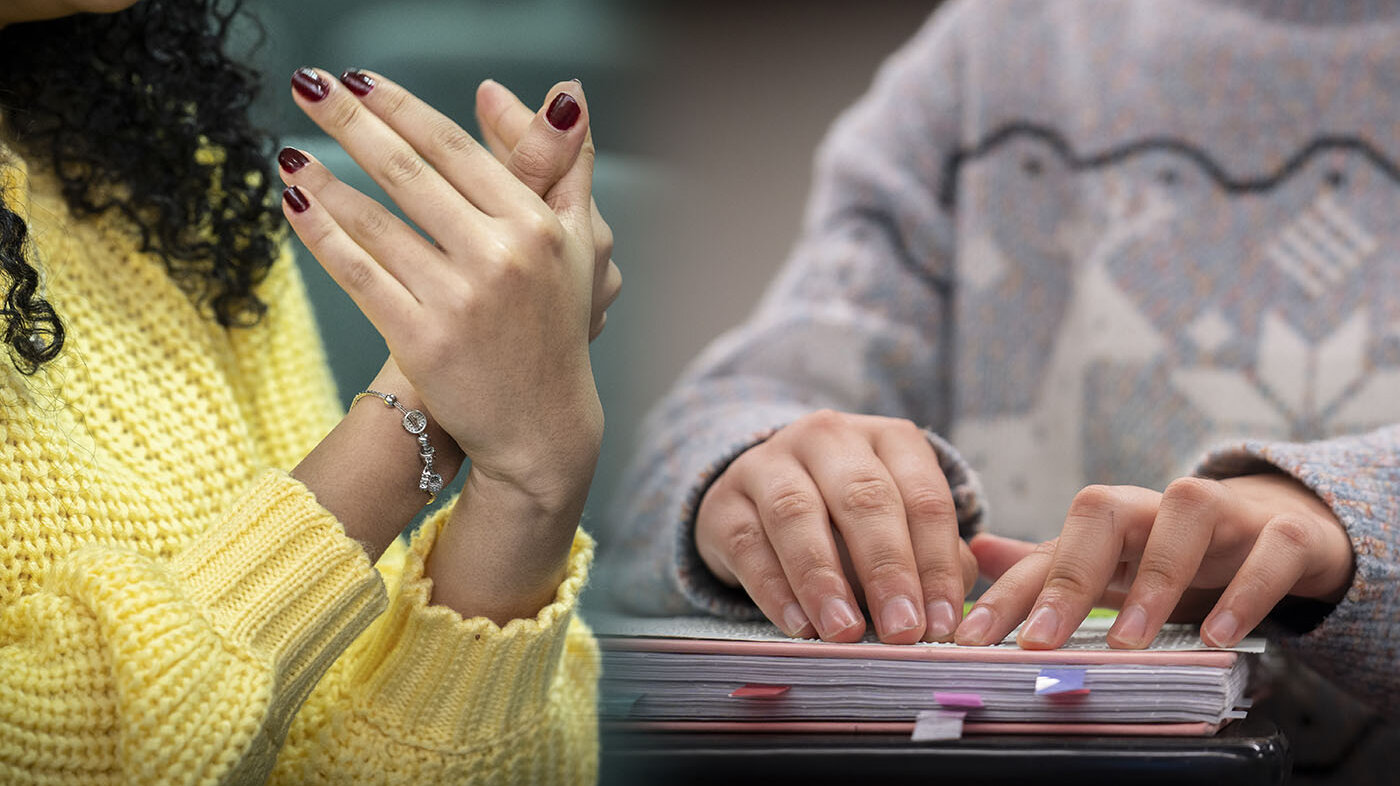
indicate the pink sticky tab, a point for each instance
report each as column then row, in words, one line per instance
column 965, row 700
column 752, row 691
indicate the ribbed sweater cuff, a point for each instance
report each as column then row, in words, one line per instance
column 427, row 675
column 279, row 575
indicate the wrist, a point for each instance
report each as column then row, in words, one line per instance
column 552, row 468
column 504, row 551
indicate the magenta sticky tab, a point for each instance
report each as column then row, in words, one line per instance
column 752, row 691
column 970, row 701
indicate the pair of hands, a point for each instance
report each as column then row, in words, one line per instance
column 489, row 321
column 835, row 504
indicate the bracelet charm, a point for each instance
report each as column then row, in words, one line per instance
column 416, row 424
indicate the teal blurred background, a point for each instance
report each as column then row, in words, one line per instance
column 442, row 51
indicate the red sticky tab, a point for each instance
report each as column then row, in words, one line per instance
column 752, row 691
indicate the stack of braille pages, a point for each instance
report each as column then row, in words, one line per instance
column 707, row 674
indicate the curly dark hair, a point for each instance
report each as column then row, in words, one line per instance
column 146, row 100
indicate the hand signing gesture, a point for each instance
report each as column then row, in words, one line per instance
column 490, row 318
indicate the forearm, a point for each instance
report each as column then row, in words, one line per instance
column 366, row 470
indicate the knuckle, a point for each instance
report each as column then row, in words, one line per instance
column 450, row 138
column 603, row 238
column 395, row 102
column 815, row 574
column 822, row 420
column 791, row 506
column 773, row 586
column 1193, row 493
column 743, row 542
column 544, row 229
column 359, row 275
column 868, row 496
column 1292, row 531
column 887, row 569
column 372, row 223
column 1156, row 574
column 1094, row 500
column 402, row 167
column 532, row 161
column 929, row 503
column 1070, row 577
column 346, row 114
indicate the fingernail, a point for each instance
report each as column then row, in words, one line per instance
column 577, row 81
column 1131, row 627
column 837, row 616
column 358, row 81
column 295, row 199
column 898, row 616
column 975, row 625
column 291, row 159
column 1222, row 629
column 563, row 112
column 1042, row 627
column 309, row 84
column 794, row 619
column 941, row 621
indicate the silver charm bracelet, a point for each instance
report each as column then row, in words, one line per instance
column 416, row 424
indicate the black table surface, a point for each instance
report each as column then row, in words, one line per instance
column 1249, row 751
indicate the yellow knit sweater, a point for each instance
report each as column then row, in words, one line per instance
column 175, row 608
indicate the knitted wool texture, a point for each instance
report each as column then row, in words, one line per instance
column 1087, row 242
column 176, row 609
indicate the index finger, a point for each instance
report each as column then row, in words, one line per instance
column 1105, row 525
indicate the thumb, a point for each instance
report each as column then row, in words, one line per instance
column 554, row 156
column 995, row 554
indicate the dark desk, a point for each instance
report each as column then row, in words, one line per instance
column 1251, row 751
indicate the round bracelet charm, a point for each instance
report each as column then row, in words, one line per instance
column 414, row 421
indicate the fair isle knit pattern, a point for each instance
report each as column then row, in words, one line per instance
column 1088, row 242
column 176, row 609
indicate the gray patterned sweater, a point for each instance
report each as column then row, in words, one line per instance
column 1087, row 242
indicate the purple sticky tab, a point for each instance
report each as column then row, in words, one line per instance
column 965, row 700
column 1060, row 682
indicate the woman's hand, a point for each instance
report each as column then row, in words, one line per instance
column 831, row 506
column 490, row 318
column 1161, row 556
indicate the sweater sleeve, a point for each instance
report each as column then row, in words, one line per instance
column 857, row 321
column 181, row 672
column 1357, row 643
column 425, row 696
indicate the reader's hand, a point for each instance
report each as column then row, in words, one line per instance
column 1161, row 556
column 775, row 522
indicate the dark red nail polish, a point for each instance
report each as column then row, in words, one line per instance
column 358, row 81
column 291, row 159
column 309, row 84
column 563, row 112
column 295, row 199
